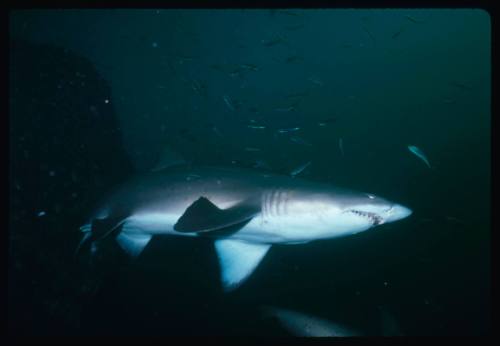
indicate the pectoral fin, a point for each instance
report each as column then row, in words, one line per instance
column 237, row 260
column 204, row 216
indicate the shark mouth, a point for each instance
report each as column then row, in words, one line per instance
column 374, row 218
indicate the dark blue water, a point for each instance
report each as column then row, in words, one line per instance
column 97, row 95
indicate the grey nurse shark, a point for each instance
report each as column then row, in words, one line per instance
column 303, row 324
column 244, row 211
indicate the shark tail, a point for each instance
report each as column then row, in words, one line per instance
column 92, row 262
column 101, row 235
column 87, row 251
column 87, row 260
column 87, row 247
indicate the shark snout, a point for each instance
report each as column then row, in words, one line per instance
column 397, row 212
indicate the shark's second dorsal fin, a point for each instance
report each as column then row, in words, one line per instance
column 168, row 158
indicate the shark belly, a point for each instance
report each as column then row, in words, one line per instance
column 153, row 223
column 282, row 230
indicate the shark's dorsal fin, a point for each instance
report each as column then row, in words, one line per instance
column 237, row 260
column 204, row 216
column 168, row 158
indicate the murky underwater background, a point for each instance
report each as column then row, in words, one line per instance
column 97, row 95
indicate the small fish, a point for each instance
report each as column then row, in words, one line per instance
column 192, row 177
column 252, row 149
column 316, row 81
column 461, row 85
column 274, row 41
column 228, row 102
column 218, row 67
column 397, row 33
column 294, row 27
column 289, row 13
column 300, row 169
column 249, row 67
column 369, row 33
column 182, row 59
column 236, row 74
column 292, row 129
column 286, row 109
column 413, row 20
column 299, row 140
column 260, row 164
column 257, row 127
column 341, row 146
column 415, row 150
column 216, row 131
column 198, row 87
column 237, row 71
column 326, row 121
column 293, row 59
column 40, row 214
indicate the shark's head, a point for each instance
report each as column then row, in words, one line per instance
column 332, row 213
column 361, row 211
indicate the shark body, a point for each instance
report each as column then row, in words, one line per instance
column 244, row 211
column 306, row 325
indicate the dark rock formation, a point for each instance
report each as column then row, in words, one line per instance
column 65, row 152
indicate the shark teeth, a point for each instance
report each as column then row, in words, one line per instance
column 374, row 218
